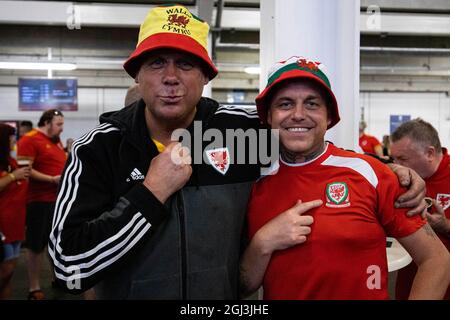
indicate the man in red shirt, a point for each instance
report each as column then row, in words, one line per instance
column 338, row 250
column 369, row 144
column 416, row 144
column 43, row 146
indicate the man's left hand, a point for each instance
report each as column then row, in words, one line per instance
column 414, row 197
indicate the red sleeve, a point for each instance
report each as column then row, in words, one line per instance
column 374, row 142
column 25, row 148
column 395, row 221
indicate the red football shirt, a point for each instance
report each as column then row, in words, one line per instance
column 48, row 158
column 348, row 237
column 12, row 207
column 368, row 143
column 438, row 188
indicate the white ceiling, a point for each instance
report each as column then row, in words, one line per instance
column 413, row 39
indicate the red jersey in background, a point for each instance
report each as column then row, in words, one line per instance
column 48, row 158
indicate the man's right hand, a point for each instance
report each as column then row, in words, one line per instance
column 288, row 228
column 169, row 171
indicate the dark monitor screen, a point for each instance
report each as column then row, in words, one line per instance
column 36, row 94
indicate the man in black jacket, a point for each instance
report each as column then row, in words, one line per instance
column 137, row 216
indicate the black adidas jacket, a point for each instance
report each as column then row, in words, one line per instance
column 111, row 232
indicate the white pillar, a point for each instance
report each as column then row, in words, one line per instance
column 325, row 31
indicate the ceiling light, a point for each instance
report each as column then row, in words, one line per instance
column 37, row 66
column 252, row 70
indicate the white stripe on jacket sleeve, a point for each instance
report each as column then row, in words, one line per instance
column 110, row 249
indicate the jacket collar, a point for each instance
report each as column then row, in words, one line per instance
column 131, row 120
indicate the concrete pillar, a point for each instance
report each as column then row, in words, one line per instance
column 205, row 9
column 207, row 90
column 325, row 31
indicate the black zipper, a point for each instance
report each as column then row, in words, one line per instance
column 180, row 207
column 181, row 215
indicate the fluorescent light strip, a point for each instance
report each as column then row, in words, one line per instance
column 252, row 70
column 37, row 66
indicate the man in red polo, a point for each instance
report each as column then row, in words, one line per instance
column 416, row 144
column 368, row 143
column 43, row 146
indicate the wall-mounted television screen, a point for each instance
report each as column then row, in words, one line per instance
column 36, row 94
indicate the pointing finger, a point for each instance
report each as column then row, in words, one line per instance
column 302, row 207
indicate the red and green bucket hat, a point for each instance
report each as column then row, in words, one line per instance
column 296, row 67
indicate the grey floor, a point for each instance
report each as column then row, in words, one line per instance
column 20, row 283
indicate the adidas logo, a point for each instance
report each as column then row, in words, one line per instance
column 136, row 175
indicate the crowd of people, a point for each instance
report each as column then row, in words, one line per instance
column 28, row 192
column 129, row 212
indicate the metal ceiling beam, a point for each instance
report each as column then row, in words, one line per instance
column 121, row 15
column 405, row 24
column 405, row 50
column 408, row 5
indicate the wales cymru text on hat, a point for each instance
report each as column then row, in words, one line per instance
column 177, row 21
